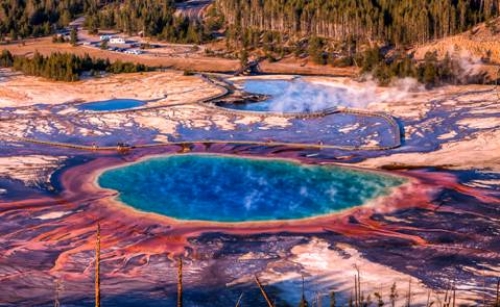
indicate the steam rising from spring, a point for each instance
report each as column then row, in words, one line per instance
column 303, row 96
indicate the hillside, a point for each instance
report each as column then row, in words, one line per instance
column 478, row 49
column 482, row 41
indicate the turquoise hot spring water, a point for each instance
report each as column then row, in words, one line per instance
column 236, row 189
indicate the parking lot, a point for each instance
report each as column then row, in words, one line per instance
column 117, row 42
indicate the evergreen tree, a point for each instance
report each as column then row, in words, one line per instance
column 33, row 18
column 243, row 58
column 429, row 71
column 357, row 22
column 372, row 57
column 64, row 66
column 73, row 37
column 152, row 18
column 104, row 44
column 316, row 50
column 6, row 59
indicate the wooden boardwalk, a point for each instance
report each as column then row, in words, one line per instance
column 194, row 142
column 207, row 103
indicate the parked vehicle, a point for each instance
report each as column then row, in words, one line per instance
column 134, row 51
column 105, row 37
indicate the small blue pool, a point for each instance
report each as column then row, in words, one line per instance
column 111, row 105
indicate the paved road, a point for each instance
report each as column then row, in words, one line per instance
column 194, row 9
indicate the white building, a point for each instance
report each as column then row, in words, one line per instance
column 117, row 40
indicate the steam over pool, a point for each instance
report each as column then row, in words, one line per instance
column 230, row 189
column 293, row 96
column 299, row 95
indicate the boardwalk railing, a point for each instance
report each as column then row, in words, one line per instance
column 209, row 104
column 204, row 141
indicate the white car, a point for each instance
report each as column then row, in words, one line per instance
column 134, row 51
column 105, row 37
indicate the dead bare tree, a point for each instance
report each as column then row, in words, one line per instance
column 239, row 300
column 263, row 291
column 428, row 298
column 454, row 293
column 179, row 282
column 497, row 303
column 58, row 289
column 97, row 278
column 357, row 287
column 408, row 300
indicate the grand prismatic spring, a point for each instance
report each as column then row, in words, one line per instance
column 229, row 189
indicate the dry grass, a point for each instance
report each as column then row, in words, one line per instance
column 193, row 61
column 477, row 42
column 197, row 62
